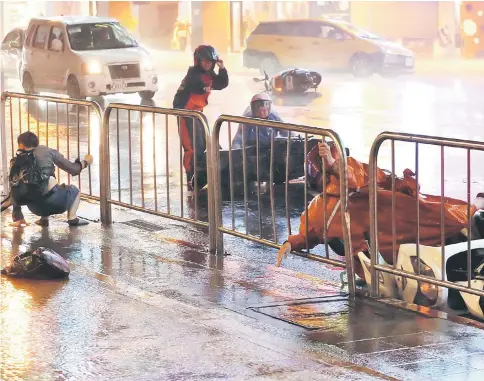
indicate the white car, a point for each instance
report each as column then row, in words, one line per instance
column 85, row 57
column 429, row 295
column 11, row 51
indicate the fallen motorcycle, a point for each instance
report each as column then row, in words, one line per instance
column 291, row 81
column 295, row 165
column 430, row 264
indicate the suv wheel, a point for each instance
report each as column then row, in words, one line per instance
column 73, row 89
column 361, row 66
column 270, row 65
column 146, row 95
column 28, row 84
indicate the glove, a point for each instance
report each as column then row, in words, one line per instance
column 88, row 159
column 283, row 252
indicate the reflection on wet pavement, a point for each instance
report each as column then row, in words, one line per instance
column 148, row 280
column 85, row 329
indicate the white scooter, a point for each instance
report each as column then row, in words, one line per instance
column 425, row 294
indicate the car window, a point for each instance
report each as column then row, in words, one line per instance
column 56, row 33
column 109, row 35
column 330, row 32
column 307, row 29
column 261, row 29
column 30, row 33
column 269, row 29
column 13, row 36
column 288, row 29
column 40, row 37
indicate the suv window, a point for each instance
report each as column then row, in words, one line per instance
column 56, row 33
column 13, row 36
column 108, row 35
column 40, row 36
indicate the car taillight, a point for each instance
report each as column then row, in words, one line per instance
column 427, row 294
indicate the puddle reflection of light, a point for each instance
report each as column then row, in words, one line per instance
column 348, row 125
column 148, row 129
column 348, row 95
column 14, row 323
column 350, row 129
column 95, row 126
column 417, row 108
column 42, row 104
column 458, row 92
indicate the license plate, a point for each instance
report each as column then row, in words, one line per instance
column 409, row 61
column 118, row 86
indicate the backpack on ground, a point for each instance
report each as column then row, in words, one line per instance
column 41, row 263
column 27, row 181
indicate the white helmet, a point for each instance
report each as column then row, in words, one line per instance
column 261, row 105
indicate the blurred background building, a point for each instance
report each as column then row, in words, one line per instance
column 429, row 28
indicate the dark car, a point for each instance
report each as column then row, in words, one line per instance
column 11, row 49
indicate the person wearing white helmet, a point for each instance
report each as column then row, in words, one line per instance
column 261, row 108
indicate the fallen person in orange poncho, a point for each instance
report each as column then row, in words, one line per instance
column 406, row 191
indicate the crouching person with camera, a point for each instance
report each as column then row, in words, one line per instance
column 33, row 183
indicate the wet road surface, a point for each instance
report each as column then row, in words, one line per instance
column 144, row 304
column 358, row 110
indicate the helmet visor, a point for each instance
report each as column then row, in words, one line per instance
column 261, row 108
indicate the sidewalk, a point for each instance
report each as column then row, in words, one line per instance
column 142, row 303
column 179, row 61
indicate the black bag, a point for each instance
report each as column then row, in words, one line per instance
column 27, row 181
column 42, row 263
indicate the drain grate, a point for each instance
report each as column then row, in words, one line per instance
column 143, row 225
column 322, row 314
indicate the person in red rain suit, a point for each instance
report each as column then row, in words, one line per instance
column 193, row 94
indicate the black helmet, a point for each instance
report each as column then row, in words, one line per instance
column 205, row 52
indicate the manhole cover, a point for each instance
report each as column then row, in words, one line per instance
column 143, row 225
column 323, row 314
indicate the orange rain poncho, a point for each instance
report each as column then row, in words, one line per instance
column 405, row 213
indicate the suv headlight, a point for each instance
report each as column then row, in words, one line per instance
column 389, row 51
column 92, row 67
column 427, row 294
column 146, row 64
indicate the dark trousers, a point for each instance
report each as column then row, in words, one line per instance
column 185, row 130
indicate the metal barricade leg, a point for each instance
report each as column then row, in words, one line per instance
column 104, row 171
column 3, row 145
column 216, row 234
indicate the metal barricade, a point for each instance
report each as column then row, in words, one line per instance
column 71, row 126
column 147, row 131
column 374, row 246
column 219, row 183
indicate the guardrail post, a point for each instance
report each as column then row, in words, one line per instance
column 345, row 215
column 212, row 228
column 217, row 195
column 373, row 197
column 105, row 170
column 3, row 144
